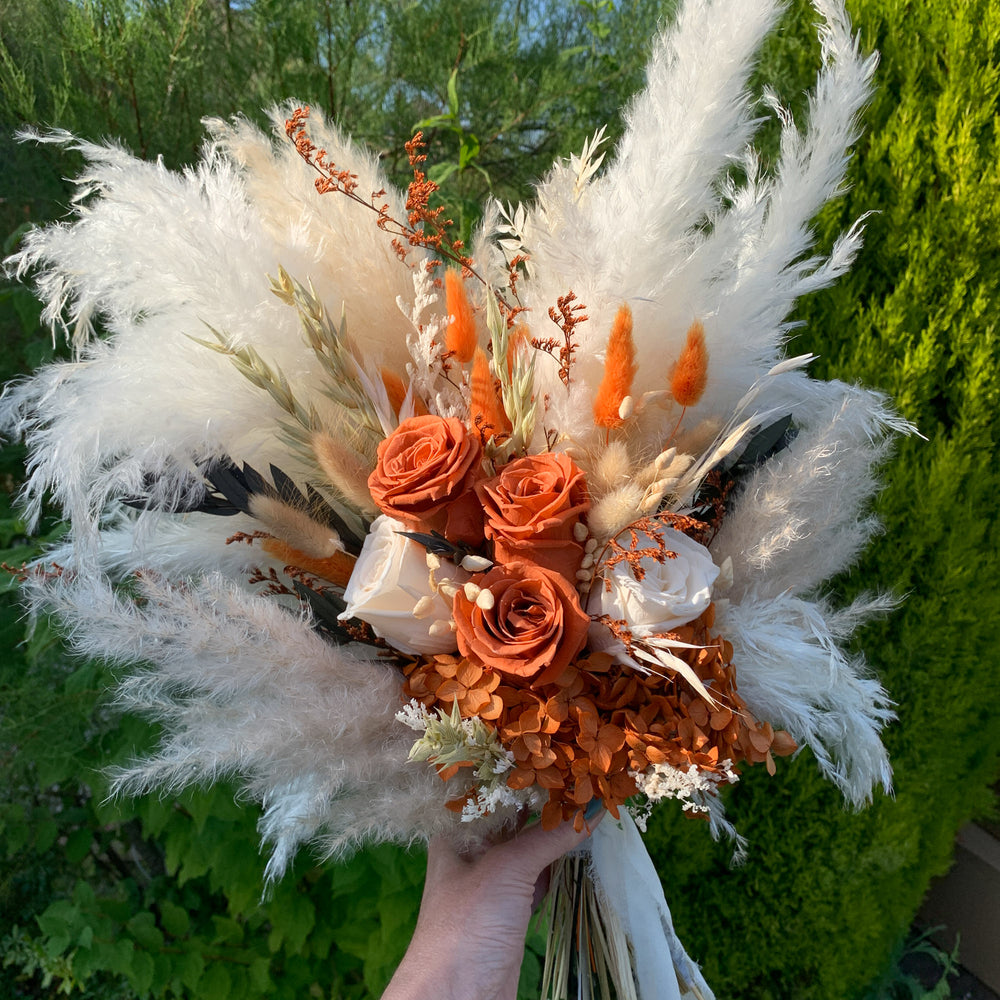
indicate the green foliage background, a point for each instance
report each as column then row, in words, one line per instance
column 162, row 898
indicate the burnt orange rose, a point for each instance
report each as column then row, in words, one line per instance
column 424, row 467
column 534, row 628
column 531, row 509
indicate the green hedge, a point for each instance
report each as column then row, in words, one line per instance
column 826, row 895
column 154, row 898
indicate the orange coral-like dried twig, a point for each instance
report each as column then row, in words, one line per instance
column 424, row 227
column 566, row 314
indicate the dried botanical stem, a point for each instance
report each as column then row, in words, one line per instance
column 566, row 314
column 424, row 227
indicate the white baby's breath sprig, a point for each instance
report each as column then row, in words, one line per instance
column 691, row 786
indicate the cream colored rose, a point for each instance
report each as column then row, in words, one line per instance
column 670, row 594
column 388, row 580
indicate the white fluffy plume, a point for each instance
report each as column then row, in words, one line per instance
column 667, row 230
column 247, row 688
column 245, row 684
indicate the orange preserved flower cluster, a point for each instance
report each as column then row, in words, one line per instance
column 583, row 735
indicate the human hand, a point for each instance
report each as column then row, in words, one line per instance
column 469, row 940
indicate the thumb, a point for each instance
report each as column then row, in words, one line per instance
column 534, row 849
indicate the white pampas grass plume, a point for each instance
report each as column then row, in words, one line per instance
column 802, row 517
column 670, row 232
column 793, row 672
column 246, row 688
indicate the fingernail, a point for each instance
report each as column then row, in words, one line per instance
column 593, row 808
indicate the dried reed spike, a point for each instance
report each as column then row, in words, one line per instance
column 518, row 336
column 619, row 371
column 690, row 374
column 486, row 412
column 295, row 527
column 460, row 338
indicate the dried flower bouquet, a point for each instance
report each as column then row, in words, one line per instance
column 416, row 539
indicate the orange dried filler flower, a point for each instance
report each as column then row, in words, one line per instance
column 583, row 734
column 619, row 370
column 690, row 375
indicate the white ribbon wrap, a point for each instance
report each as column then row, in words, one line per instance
column 628, row 884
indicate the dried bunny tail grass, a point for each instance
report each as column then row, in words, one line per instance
column 608, row 467
column 460, row 337
column 295, row 527
column 487, row 415
column 615, row 510
column 793, row 672
column 690, row 374
column 619, row 370
column 336, row 568
column 345, row 469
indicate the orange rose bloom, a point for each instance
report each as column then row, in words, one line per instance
column 531, row 508
column 425, row 466
column 534, row 629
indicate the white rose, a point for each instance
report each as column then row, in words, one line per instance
column 390, row 576
column 671, row 593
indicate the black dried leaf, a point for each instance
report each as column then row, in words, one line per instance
column 326, row 606
column 287, row 491
column 227, row 480
column 256, row 483
column 213, row 502
column 768, row 441
column 436, row 542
